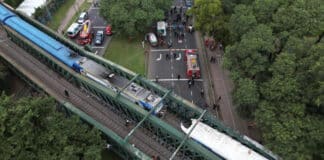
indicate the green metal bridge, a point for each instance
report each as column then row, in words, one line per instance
column 104, row 109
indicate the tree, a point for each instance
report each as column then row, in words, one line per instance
column 133, row 17
column 242, row 21
column 208, row 15
column 250, row 56
column 246, row 96
column 277, row 55
column 32, row 129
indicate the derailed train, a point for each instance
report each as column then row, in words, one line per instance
column 80, row 64
column 216, row 141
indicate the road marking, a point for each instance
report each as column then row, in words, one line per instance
column 167, row 50
column 172, row 75
column 99, row 27
column 178, row 58
column 96, row 53
column 98, row 47
column 158, row 59
column 168, row 79
column 94, row 8
column 191, row 93
column 3, row 40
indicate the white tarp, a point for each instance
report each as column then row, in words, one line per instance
column 29, row 6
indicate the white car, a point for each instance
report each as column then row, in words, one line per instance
column 74, row 30
column 83, row 17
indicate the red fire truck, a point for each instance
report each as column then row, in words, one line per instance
column 191, row 57
column 85, row 34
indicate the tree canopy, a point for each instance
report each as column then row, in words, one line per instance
column 275, row 55
column 208, row 15
column 32, row 129
column 132, row 17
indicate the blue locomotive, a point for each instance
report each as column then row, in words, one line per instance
column 82, row 65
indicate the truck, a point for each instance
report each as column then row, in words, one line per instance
column 85, row 36
column 191, row 58
column 162, row 28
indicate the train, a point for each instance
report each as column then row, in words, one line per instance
column 82, row 65
column 222, row 144
column 219, row 143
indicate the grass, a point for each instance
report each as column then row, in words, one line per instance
column 59, row 15
column 129, row 54
column 84, row 7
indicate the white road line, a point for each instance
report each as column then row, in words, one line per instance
column 99, row 27
column 167, row 50
column 191, row 93
column 172, row 75
column 178, row 58
column 158, row 59
column 168, row 79
column 98, row 47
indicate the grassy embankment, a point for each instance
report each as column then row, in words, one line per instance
column 129, row 54
column 59, row 15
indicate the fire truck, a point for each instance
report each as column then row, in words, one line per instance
column 85, row 34
column 193, row 70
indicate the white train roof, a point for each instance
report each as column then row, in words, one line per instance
column 221, row 143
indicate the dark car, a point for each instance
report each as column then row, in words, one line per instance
column 99, row 37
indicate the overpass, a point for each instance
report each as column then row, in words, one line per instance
column 107, row 111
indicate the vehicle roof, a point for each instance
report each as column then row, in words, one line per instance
column 100, row 32
column 221, row 143
column 73, row 26
column 83, row 14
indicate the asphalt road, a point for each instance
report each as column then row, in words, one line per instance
column 166, row 70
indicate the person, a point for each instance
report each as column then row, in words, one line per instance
column 207, row 42
column 189, row 83
column 214, row 106
column 167, row 56
column 157, row 79
column 143, row 44
column 202, row 92
column 127, row 122
column 219, row 98
column 169, row 44
column 66, row 93
column 178, row 76
column 174, row 55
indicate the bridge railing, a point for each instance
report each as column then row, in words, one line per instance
column 176, row 104
column 162, row 132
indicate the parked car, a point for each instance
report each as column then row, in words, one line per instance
column 99, row 37
column 108, row 30
column 83, row 17
column 74, row 30
column 151, row 38
column 188, row 3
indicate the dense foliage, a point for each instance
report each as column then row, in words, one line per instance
column 131, row 17
column 276, row 60
column 13, row 3
column 32, row 129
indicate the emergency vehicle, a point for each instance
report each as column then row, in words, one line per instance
column 85, row 34
column 191, row 58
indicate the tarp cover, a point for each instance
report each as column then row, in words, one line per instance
column 29, row 6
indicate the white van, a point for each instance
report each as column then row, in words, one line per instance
column 83, row 17
column 73, row 30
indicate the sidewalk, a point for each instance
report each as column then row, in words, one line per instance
column 221, row 85
column 72, row 10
